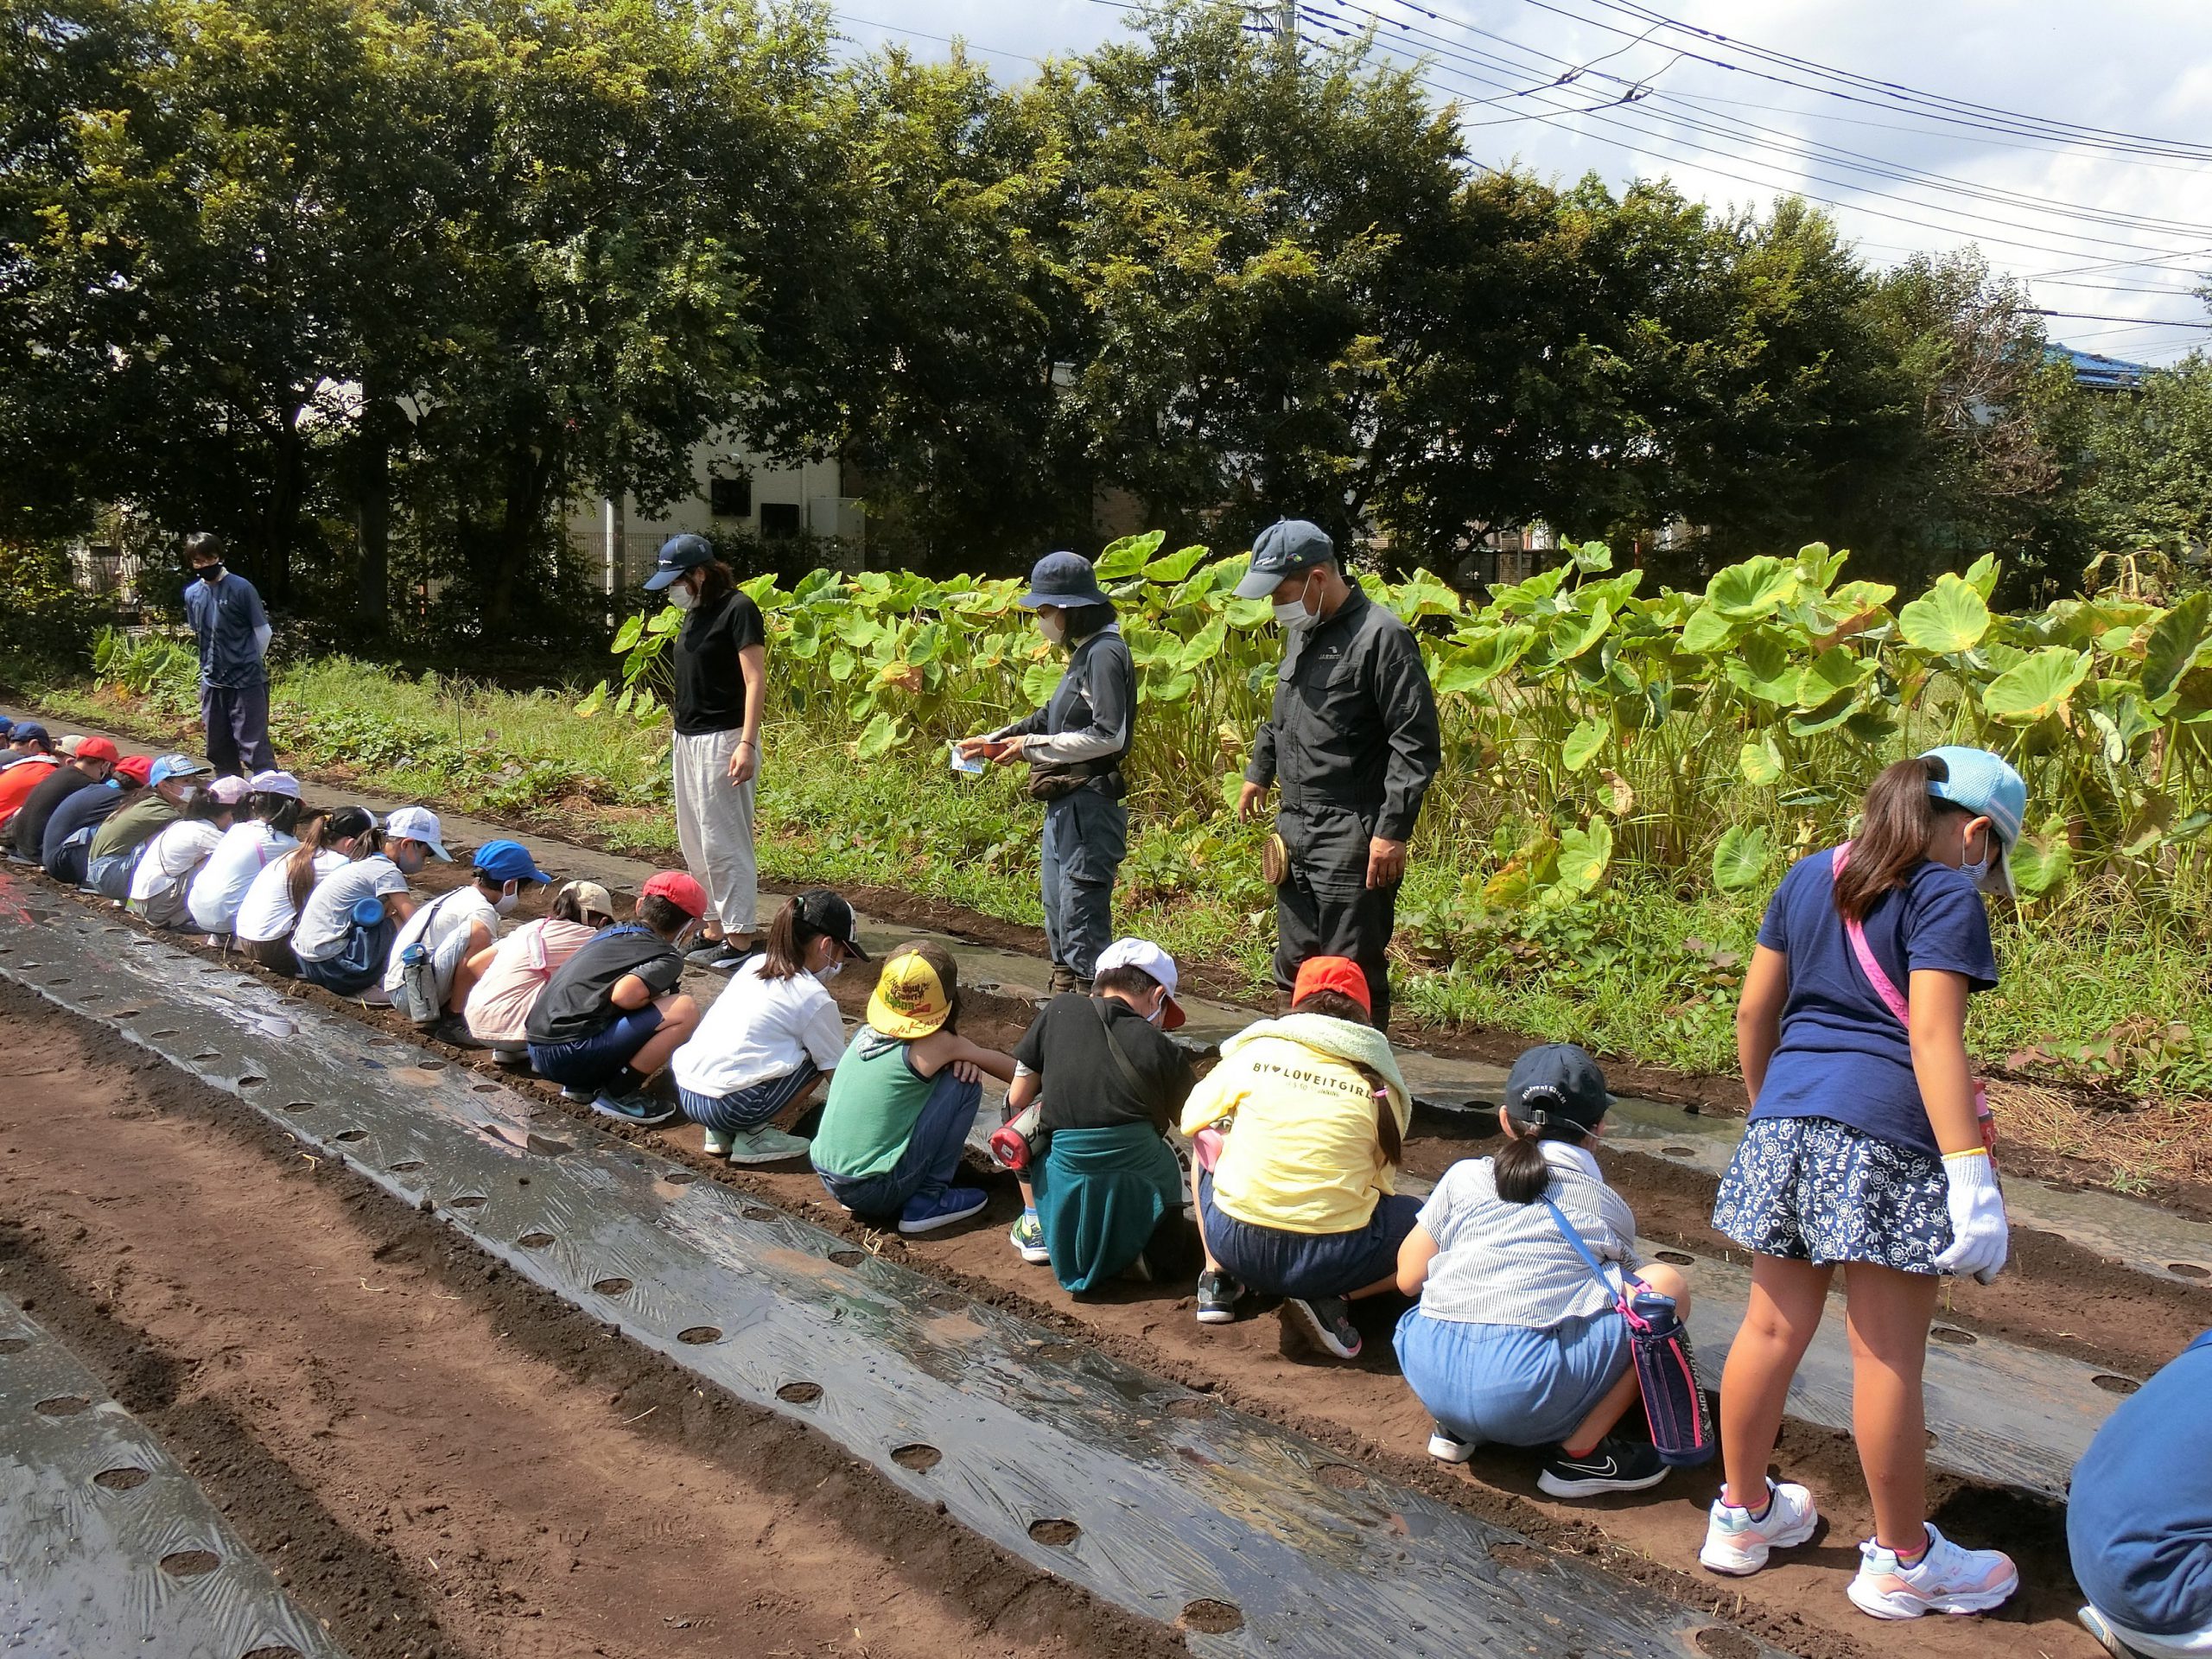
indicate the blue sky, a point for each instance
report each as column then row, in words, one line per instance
column 1961, row 120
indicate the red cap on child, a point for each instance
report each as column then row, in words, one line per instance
column 1338, row 974
column 679, row 890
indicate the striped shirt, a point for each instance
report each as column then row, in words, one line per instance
column 1500, row 1263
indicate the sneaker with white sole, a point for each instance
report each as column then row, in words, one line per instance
column 1218, row 1294
column 1028, row 1240
column 2108, row 1637
column 1610, row 1467
column 1324, row 1321
column 641, row 1109
column 766, row 1144
column 715, row 1144
column 1947, row 1578
column 1737, row 1544
column 1446, row 1448
column 926, row 1215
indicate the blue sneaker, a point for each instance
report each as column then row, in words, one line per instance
column 641, row 1109
column 926, row 1215
column 1028, row 1240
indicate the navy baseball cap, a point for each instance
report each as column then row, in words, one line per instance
column 1283, row 549
column 678, row 554
column 508, row 861
column 1556, row 1085
column 1062, row 579
column 30, row 732
column 7, row 726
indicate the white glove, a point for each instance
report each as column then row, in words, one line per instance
column 1979, row 1232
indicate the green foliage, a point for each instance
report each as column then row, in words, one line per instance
column 50, row 621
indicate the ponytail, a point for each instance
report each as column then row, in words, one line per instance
column 1519, row 1169
column 1895, row 827
column 280, row 812
column 784, row 950
column 299, row 863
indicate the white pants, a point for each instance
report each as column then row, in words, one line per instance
column 714, row 825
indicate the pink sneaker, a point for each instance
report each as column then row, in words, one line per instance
column 1947, row 1580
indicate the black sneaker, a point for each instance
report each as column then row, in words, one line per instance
column 1218, row 1294
column 1614, row 1466
column 1446, row 1448
column 454, row 1030
column 1324, row 1321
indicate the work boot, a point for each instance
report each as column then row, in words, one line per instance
column 1063, row 979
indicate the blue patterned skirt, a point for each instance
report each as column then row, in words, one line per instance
column 1810, row 1189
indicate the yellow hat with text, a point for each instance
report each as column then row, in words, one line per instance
column 909, row 1000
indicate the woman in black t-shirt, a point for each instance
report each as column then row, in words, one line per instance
column 721, row 680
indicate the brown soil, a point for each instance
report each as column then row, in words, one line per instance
column 437, row 1458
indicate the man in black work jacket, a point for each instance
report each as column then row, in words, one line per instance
column 1353, row 745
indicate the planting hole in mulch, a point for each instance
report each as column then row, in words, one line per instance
column 544, row 1147
column 799, row 1394
column 1679, row 1151
column 406, row 1167
column 121, row 1478
column 755, row 1212
column 272, row 1653
column 1953, row 1335
column 165, row 1031
column 917, row 1457
column 1341, row 1477
column 699, row 1335
column 848, row 1258
column 2112, row 1384
column 1056, row 1531
column 295, row 1107
column 1194, row 1406
column 944, row 1301
column 1724, row 1644
column 14, row 1345
column 610, row 1287
column 1211, row 1617
column 2189, row 1270
column 680, row 1177
column 63, row 979
column 467, row 1201
column 535, row 1241
column 485, row 1088
column 1509, row 1554
column 383, row 1042
column 427, row 1064
column 1675, row 1258
column 349, row 1136
column 251, row 1082
column 205, row 1054
column 190, row 1563
column 62, row 1405
column 127, row 1013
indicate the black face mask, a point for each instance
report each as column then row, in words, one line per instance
column 210, row 574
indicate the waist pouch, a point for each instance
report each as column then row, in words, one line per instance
column 1051, row 783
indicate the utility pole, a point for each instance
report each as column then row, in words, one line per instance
column 1286, row 22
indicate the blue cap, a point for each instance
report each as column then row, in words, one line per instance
column 29, row 732
column 6, row 725
column 1064, row 579
column 176, row 765
column 1284, row 548
column 1985, row 784
column 677, row 554
column 508, row 861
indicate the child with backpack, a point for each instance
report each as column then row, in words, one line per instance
column 1865, row 1151
column 1517, row 1339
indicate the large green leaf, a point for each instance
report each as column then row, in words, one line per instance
column 2041, row 863
column 1708, row 630
column 1206, row 644
column 1755, row 588
column 1760, row 762
column 881, row 736
column 1039, row 683
column 1764, row 667
column 1129, row 554
column 1741, row 858
column 2034, row 688
column 2175, row 643
column 1174, row 566
column 1467, row 666
column 1583, row 743
column 1949, row 617
column 1583, row 855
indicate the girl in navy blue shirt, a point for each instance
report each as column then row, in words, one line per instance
column 1864, row 1148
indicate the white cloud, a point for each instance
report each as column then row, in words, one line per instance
column 2135, row 66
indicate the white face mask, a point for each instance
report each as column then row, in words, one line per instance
column 829, row 970
column 509, row 896
column 1159, row 1008
column 682, row 597
column 1292, row 617
column 1982, row 872
column 1054, row 628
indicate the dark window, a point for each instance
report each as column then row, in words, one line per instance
column 730, row 498
column 779, row 517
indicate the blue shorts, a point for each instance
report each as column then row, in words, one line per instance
column 1508, row 1385
column 748, row 1108
column 594, row 1061
column 1276, row 1263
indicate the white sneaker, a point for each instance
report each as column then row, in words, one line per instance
column 1737, row 1545
column 1947, row 1580
column 1446, row 1448
column 717, row 1144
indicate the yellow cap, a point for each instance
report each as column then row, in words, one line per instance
column 909, row 1001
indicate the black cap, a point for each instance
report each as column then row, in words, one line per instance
column 677, row 554
column 1284, row 548
column 1062, row 579
column 1554, row 1086
column 823, row 912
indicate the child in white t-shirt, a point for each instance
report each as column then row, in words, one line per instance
column 454, row 928
column 248, row 847
column 162, row 879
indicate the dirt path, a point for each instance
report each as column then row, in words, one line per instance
column 437, row 1459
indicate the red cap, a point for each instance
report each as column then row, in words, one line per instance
column 136, row 767
column 96, row 749
column 1338, row 974
column 679, row 890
